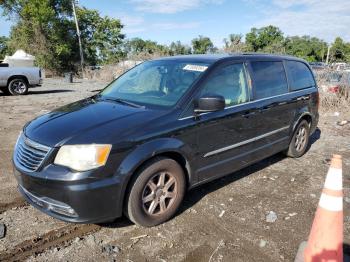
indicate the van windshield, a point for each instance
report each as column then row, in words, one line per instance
column 158, row 83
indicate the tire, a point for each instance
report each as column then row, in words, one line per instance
column 18, row 86
column 163, row 199
column 300, row 140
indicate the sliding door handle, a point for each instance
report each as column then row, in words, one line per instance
column 301, row 98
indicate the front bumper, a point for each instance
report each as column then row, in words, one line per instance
column 72, row 197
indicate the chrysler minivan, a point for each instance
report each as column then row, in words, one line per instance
column 160, row 129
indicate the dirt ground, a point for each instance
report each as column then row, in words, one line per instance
column 224, row 220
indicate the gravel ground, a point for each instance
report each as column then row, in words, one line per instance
column 261, row 213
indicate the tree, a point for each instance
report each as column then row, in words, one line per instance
column 263, row 38
column 4, row 48
column 138, row 48
column 46, row 29
column 177, row 48
column 234, row 43
column 202, row 45
column 309, row 48
column 101, row 37
column 340, row 51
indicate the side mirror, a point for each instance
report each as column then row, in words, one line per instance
column 209, row 103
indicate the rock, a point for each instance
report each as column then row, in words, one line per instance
column 76, row 240
column 336, row 114
column 292, row 214
column 222, row 213
column 292, row 180
column 313, row 195
column 347, row 199
column 90, row 240
column 342, row 123
column 271, row 217
column 262, row 243
column 110, row 249
column 2, row 230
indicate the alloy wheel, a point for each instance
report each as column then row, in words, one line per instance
column 300, row 139
column 18, row 87
column 159, row 193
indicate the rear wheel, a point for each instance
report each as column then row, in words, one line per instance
column 18, row 86
column 156, row 192
column 300, row 140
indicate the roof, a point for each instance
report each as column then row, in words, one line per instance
column 211, row 58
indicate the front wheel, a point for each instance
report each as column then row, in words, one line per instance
column 300, row 140
column 156, row 192
column 18, row 86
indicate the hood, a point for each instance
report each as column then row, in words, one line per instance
column 77, row 122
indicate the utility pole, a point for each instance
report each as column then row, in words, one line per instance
column 79, row 39
column 328, row 51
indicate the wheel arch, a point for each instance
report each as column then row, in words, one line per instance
column 303, row 116
column 17, row 77
column 169, row 148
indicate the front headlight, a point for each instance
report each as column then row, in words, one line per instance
column 83, row 157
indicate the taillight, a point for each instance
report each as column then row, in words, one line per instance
column 334, row 89
column 40, row 73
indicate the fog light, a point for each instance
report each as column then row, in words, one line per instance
column 67, row 211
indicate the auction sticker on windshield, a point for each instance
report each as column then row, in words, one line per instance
column 198, row 68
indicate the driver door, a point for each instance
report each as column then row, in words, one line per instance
column 221, row 135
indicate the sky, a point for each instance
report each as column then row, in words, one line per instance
column 165, row 21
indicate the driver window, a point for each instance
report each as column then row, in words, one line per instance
column 230, row 82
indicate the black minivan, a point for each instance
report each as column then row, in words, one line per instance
column 164, row 127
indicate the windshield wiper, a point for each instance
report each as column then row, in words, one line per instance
column 125, row 102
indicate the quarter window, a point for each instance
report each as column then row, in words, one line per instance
column 270, row 79
column 299, row 75
column 230, row 82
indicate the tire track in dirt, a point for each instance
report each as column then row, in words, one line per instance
column 57, row 238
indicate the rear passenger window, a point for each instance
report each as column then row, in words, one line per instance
column 299, row 75
column 270, row 79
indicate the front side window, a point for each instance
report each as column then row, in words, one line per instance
column 230, row 82
column 158, row 83
column 270, row 79
column 299, row 75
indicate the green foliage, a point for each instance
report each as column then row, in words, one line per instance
column 47, row 30
column 309, row 48
column 340, row 51
column 258, row 40
column 234, row 43
column 101, row 37
column 177, row 48
column 144, row 49
column 4, row 48
column 202, row 45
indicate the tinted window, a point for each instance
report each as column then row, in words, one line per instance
column 299, row 75
column 229, row 82
column 270, row 79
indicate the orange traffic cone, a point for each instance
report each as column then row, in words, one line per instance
column 326, row 237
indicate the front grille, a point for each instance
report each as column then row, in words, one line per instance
column 29, row 155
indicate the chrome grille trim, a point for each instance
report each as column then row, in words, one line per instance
column 29, row 155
